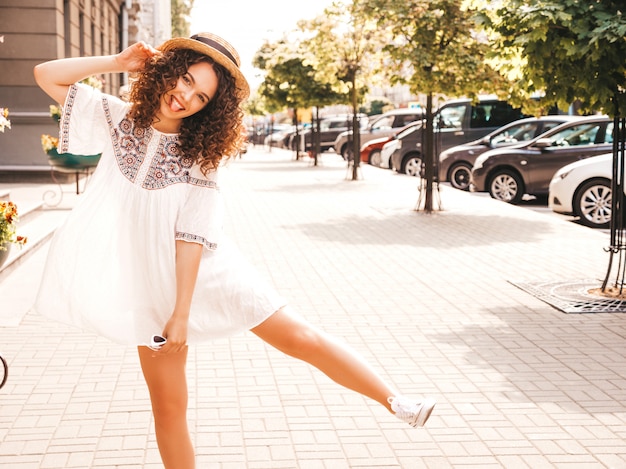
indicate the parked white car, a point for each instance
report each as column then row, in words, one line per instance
column 386, row 152
column 583, row 189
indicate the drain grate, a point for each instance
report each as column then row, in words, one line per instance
column 572, row 296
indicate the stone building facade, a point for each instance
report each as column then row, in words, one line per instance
column 33, row 31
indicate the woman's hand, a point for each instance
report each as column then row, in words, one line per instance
column 133, row 58
column 175, row 332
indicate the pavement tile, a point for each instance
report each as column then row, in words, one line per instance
column 428, row 298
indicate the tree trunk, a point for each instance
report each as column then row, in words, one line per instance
column 297, row 134
column 356, row 132
column 315, row 136
column 427, row 183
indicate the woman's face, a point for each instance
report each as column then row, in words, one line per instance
column 192, row 93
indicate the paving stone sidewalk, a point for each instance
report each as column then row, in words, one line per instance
column 429, row 299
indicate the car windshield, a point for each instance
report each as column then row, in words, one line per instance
column 583, row 134
column 383, row 123
column 517, row 133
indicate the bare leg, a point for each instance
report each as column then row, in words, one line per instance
column 167, row 383
column 296, row 337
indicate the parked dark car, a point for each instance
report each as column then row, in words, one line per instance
column 456, row 122
column 509, row 173
column 455, row 164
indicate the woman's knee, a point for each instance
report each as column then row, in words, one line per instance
column 292, row 334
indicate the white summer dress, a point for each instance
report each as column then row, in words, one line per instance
column 111, row 265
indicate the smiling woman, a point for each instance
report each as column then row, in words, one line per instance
column 149, row 229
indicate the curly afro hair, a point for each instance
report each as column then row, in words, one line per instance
column 215, row 132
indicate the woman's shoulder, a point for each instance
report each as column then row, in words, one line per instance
column 88, row 92
column 207, row 179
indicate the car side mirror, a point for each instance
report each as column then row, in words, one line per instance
column 543, row 143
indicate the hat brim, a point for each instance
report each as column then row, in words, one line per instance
column 184, row 43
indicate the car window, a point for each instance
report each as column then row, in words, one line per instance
column 451, row 117
column 549, row 126
column 608, row 135
column 337, row 124
column 480, row 116
column 500, row 113
column 514, row 134
column 383, row 123
column 576, row 135
column 404, row 119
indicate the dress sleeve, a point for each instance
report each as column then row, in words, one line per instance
column 83, row 127
column 200, row 219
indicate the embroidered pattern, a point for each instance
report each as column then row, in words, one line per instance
column 130, row 145
column 166, row 166
column 64, row 131
column 196, row 239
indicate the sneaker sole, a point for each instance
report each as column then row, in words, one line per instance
column 427, row 408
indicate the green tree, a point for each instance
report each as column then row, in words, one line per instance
column 291, row 81
column 568, row 49
column 181, row 9
column 571, row 50
column 435, row 49
column 344, row 45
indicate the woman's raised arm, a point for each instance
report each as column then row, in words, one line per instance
column 56, row 76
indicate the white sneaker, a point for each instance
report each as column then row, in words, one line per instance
column 412, row 412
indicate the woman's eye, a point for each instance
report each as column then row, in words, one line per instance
column 186, row 79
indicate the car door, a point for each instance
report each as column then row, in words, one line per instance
column 450, row 125
column 573, row 143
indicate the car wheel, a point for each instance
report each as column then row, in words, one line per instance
column 592, row 203
column 460, row 176
column 507, row 186
column 412, row 166
column 374, row 158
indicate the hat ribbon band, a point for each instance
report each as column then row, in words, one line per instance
column 216, row 45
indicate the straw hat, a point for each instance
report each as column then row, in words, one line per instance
column 216, row 48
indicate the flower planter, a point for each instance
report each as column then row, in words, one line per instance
column 4, row 253
column 70, row 161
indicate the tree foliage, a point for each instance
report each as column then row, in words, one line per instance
column 290, row 80
column 568, row 49
column 434, row 47
column 181, row 9
column 344, row 46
